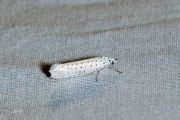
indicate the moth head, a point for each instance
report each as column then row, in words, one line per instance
column 112, row 61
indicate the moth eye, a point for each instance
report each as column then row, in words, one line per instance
column 109, row 60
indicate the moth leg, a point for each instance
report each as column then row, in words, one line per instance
column 113, row 68
column 97, row 75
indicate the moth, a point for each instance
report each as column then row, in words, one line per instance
column 82, row 67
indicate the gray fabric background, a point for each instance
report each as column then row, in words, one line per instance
column 142, row 34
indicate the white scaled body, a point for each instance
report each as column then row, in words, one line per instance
column 80, row 68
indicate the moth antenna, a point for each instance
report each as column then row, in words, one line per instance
column 113, row 68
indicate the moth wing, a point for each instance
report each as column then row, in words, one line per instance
column 54, row 66
column 56, row 72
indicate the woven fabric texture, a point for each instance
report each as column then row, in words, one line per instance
column 144, row 35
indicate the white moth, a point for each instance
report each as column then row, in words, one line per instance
column 82, row 67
